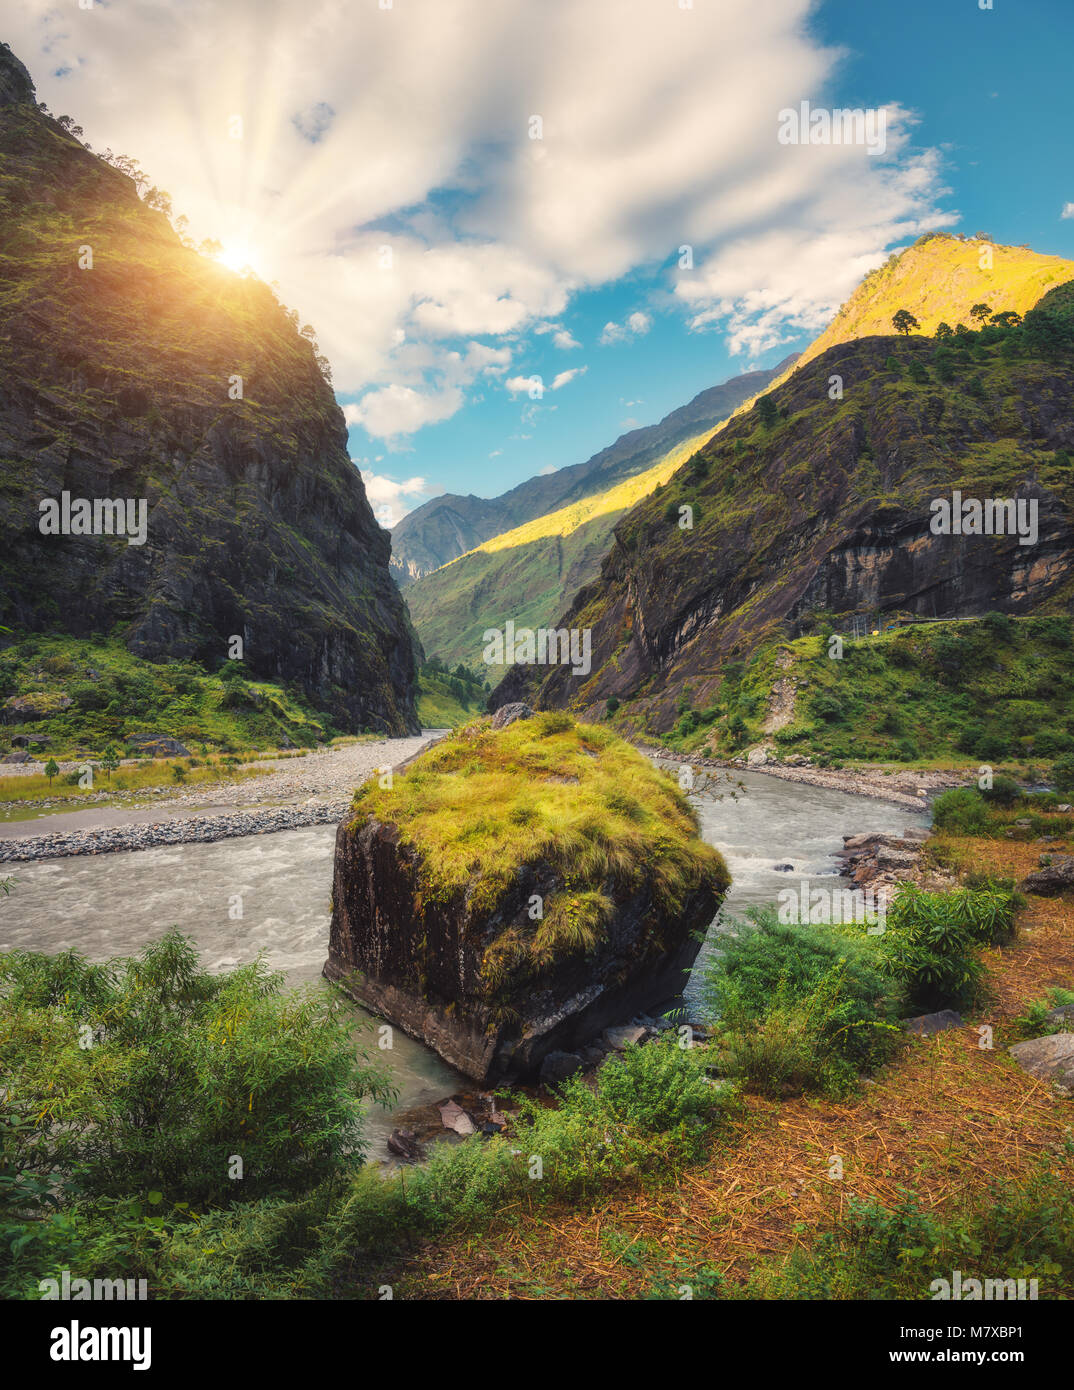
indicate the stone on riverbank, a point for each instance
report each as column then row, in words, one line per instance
column 516, row 892
column 1050, row 1059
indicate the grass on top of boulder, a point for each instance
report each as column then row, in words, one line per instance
column 547, row 791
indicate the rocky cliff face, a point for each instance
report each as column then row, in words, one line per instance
column 827, row 508
column 133, row 368
column 446, row 527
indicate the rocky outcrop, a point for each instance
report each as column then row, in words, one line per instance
column 418, row 962
column 134, row 370
column 1049, row 1058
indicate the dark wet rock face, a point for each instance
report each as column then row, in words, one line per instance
column 134, row 370
column 418, row 963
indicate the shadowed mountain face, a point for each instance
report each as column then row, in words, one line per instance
column 823, row 506
column 133, row 368
column 450, row 525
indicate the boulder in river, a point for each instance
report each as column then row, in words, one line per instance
column 518, row 891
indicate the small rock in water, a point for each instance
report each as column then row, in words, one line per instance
column 455, row 1117
column 404, row 1144
column 783, row 868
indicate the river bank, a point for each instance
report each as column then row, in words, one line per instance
column 904, row 787
column 325, row 781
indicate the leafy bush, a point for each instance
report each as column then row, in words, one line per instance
column 961, row 811
column 150, row 1073
column 1010, row 1231
column 1004, row 791
column 800, row 1007
column 930, row 943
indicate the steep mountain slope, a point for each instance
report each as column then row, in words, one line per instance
column 133, row 368
column 448, row 526
column 823, row 508
column 938, row 279
column 529, row 574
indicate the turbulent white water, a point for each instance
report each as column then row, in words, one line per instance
column 113, row 904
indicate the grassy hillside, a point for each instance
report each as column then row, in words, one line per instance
column 93, row 693
column 938, row 279
column 528, row 574
column 993, row 690
column 448, row 698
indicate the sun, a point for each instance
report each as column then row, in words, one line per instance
column 240, row 257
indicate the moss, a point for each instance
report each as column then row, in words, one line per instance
column 571, row 804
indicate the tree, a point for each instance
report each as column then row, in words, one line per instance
column 904, row 322
column 1007, row 319
column 179, row 773
column 110, row 760
column 944, row 330
column 210, row 247
column 767, row 411
column 52, row 768
column 980, row 312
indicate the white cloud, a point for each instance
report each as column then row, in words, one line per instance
column 357, row 119
column 565, row 340
column 547, row 470
column 517, row 384
column 562, row 378
column 1068, row 211
column 636, row 326
column 392, row 498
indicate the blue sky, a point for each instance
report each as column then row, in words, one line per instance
column 384, row 174
column 990, row 89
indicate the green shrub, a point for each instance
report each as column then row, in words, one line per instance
column 800, row 1007
column 930, row 943
column 960, row 811
column 1023, row 1230
column 177, row 1071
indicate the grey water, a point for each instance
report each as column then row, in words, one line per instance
column 115, row 904
column 773, row 822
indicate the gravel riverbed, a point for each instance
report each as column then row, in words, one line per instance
column 314, row 790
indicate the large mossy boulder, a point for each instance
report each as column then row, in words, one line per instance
column 517, row 891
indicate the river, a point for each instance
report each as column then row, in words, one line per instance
column 113, row 904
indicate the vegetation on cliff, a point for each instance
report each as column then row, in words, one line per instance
column 824, row 510
column 134, row 367
column 991, row 690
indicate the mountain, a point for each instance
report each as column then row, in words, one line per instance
column 450, row 525
column 133, row 368
column 530, row 573
column 817, row 508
